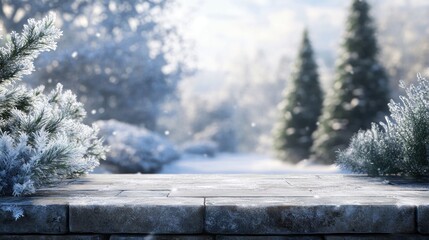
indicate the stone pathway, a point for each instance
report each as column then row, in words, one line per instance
column 209, row 206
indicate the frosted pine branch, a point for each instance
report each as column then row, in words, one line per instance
column 42, row 137
column 19, row 50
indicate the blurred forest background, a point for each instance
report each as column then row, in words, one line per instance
column 165, row 78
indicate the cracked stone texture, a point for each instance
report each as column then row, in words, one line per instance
column 137, row 215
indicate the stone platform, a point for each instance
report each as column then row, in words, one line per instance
column 237, row 207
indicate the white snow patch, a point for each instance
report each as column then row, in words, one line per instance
column 243, row 163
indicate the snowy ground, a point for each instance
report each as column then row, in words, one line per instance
column 242, row 163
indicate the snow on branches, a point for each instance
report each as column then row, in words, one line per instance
column 42, row 137
column 19, row 51
column 399, row 146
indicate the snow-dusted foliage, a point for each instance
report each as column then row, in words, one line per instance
column 130, row 54
column 203, row 148
column 42, row 139
column 134, row 149
column 360, row 91
column 400, row 145
column 300, row 108
column 17, row 212
column 18, row 53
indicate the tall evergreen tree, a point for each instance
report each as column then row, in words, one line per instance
column 360, row 92
column 300, row 108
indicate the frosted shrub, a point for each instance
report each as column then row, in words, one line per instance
column 401, row 145
column 42, row 137
column 135, row 149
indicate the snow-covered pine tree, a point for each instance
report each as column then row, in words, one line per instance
column 300, row 108
column 360, row 92
column 401, row 145
column 42, row 138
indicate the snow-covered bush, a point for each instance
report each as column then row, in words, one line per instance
column 42, row 138
column 204, row 148
column 134, row 149
column 401, row 145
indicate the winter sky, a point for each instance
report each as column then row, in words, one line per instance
column 227, row 29
column 223, row 30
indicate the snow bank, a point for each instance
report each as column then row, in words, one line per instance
column 134, row 149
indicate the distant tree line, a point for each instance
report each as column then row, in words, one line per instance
column 359, row 95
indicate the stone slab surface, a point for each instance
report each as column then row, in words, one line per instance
column 243, row 192
column 379, row 237
column 162, row 237
column 230, row 206
column 308, row 216
column 137, row 215
column 52, row 237
column 423, row 218
column 143, row 194
column 300, row 237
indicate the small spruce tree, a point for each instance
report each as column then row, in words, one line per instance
column 360, row 92
column 401, row 145
column 300, row 108
column 42, row 137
